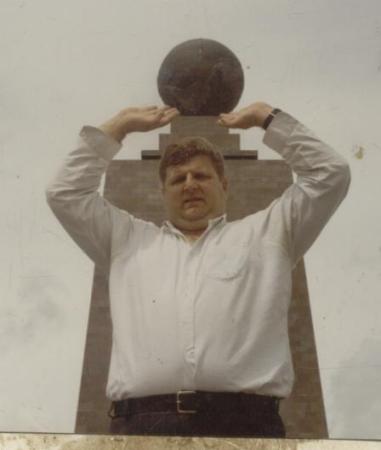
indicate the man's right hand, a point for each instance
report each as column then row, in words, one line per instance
column 138, row 119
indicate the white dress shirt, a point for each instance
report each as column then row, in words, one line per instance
column 211, row 315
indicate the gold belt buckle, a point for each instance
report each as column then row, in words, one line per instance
column 178, row 402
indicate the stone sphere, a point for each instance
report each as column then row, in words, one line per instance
column 201, row 77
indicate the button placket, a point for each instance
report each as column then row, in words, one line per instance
column 188, row 315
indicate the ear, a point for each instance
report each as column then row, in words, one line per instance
column 159, row 184
column 225, row 184
column 162, row 188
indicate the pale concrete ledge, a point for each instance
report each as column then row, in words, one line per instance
column 17, row 441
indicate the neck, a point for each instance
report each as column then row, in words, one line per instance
column 192, row 238
column 193, row 234
column 192, row 230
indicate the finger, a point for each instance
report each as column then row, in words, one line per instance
column 169, row 116
column 156, row 119
column 228, row 122
column 155, row 112
column 172, row 112
column 167, row 109
column 149, row 108
column 227, row 125
column 225, row 119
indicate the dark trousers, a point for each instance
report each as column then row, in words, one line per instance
column 233, row 424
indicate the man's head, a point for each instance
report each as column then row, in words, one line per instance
column 194, row 185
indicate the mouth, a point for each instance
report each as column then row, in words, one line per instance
column 193, row 200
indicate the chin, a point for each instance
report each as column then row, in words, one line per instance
column 195, row 219
column 191, row 214
column 194, row 216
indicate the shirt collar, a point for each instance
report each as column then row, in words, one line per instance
column 168, row 226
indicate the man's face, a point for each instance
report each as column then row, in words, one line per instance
column 193, row 193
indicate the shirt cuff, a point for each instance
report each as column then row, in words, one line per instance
column 279, row 130
column 105, row 146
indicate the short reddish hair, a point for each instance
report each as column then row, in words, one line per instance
column 187, row 148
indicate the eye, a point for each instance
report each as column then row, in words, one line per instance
column 201, row 176
column 178, row 180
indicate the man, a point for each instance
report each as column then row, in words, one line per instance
column 199, row 306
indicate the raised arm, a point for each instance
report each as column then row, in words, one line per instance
column 323, row 177
column 73, row 193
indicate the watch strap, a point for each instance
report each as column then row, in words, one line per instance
column 270, row 117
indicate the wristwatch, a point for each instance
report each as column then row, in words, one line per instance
column 270, row 117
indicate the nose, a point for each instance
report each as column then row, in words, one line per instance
column 190, row 182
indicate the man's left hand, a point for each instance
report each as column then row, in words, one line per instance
column 253, row 115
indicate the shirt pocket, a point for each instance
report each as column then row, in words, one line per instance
column 227, row 263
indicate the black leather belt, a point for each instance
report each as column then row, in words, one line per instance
column 191, row 402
